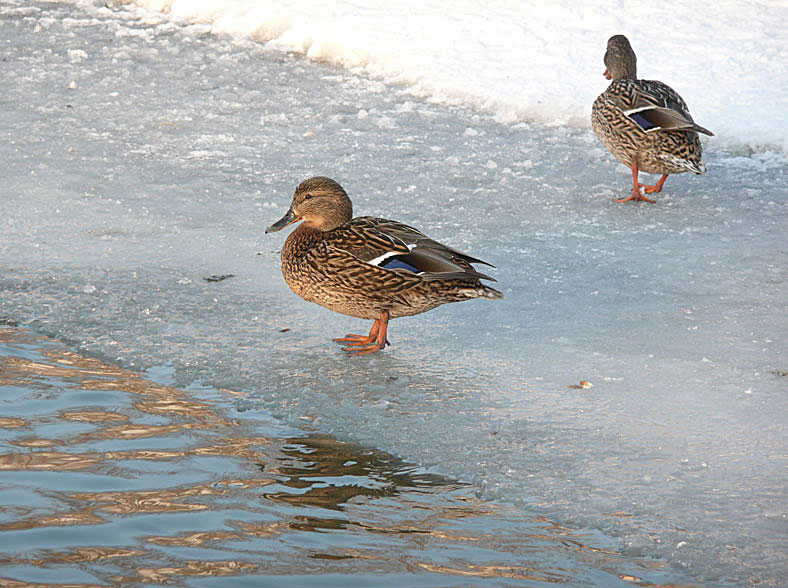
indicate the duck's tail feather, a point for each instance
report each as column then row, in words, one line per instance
column 695, row 166
column 482, row 291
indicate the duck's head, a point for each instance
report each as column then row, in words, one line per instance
column 321, row 203
column 620, row 59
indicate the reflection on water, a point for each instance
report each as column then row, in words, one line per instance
column 111, row 479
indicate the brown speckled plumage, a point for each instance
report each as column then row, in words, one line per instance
column 340, row 262
column 645, row 124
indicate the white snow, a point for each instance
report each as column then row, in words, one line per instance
column 535, row 60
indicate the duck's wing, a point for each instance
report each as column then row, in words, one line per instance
column 656, row 106
column 396, row 246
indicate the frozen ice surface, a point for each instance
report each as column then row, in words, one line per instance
column 141, row 157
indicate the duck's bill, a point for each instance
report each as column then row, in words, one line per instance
column 288, row 219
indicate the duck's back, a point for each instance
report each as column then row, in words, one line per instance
column 647, row 122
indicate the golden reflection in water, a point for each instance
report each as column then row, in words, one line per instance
column 12, row 423
column 405, row 519
column 263, row 529
column 94, row 416
column 513, row 572
column 194, row 539
column 158, row 501
column 9, row 583
column 89, row 554
column 85, row 517
column 191, row 568
column 61, row 461
column 44, row 460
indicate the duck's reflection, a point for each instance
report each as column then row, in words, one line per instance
column 323, row 472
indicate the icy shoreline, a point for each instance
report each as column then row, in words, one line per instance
column 261, row 504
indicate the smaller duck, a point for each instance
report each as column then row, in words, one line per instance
column 644, row 123
column 369, row 268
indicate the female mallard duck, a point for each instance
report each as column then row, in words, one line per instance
column 367, row 267
column 644, row 123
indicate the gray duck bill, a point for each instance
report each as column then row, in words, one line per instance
column 288, row 219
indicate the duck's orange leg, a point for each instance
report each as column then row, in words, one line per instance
column 357, row 347
column 636, row 195
column 656, row 188
column 354, row 340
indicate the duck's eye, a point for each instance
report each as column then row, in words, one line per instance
column 307, row 197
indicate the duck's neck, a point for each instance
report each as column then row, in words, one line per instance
column 300, row 241
column 625, row 69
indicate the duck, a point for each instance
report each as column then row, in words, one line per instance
column 368, row 267
column 645, row 124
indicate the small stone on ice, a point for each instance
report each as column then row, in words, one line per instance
column 72, row 85
column 219, row 277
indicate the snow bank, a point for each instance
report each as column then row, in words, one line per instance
column 533, row 60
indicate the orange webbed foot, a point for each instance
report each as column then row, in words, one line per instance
column 363, row 350
column 636, row 196
column 375, row 341
column 358, row 340
column 355, row 340
column 656, row 188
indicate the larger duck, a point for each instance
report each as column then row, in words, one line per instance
column 366, row 267
column 644, row 123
